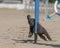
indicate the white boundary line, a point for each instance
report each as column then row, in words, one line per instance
column 17, row 6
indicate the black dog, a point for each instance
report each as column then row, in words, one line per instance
column 41, row 31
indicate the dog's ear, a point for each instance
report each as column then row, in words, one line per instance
column 28, row 16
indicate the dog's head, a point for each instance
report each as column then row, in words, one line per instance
column 30, row 20
column 28, row 17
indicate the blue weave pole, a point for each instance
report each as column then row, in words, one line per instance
column 36, row 17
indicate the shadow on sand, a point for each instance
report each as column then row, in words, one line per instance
column 52, row 45
column 32, row 41
column 23, row 41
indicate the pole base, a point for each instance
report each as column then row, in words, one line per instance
column 35, row 38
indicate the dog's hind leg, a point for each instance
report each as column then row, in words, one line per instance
column 43, row 37
column 48, row 36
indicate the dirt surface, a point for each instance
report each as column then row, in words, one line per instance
column 14, row 30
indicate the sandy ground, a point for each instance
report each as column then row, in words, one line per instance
column 14, row 30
